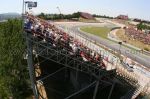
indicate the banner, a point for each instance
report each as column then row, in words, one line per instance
column 32, row 4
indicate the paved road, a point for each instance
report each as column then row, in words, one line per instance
column 134, row 55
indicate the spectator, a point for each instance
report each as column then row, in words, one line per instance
column 58, row 38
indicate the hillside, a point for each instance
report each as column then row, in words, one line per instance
column 5, row 16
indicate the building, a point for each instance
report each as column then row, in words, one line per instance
column 123, row 17
column 86, row 15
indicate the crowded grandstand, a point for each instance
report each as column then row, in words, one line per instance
column 138, row 34
column 57, row 38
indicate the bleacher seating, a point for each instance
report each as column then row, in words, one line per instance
column 138, row 34
column 47, row 32
column 86, row 15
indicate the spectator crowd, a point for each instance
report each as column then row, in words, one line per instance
column 138, row 35
column 49, row 33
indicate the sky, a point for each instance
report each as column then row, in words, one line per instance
column 132, row 8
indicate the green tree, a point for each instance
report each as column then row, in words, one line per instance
column 76, row 15
column 42, row 15
column 142, row 26
column 14, row 79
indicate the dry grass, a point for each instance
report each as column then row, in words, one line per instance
column 121, row 35
column 88, row 20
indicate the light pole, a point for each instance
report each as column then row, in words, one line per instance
column 22, row 15
column 30, row 54
column 22, row 7
column 120, row 43
column 25, row 4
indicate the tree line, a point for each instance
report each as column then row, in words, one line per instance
column 59, row 16
column 14, row 78
column 102, row 16
column 143, row 26
column 67, row 16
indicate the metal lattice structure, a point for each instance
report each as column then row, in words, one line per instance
column 61, row 56
column 40, row 46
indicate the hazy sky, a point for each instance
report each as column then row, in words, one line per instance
column 132, row 8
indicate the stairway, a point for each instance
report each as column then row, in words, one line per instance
column 128, row 95
column 129, row 77
column 137, row 92
column 133, row 93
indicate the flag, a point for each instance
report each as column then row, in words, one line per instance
column 32, row 4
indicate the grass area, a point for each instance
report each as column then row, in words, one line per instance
column 121, row 35
column 101, row 32
column 98, row 31
column 88, row 20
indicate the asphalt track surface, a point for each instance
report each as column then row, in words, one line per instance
column 132, row 54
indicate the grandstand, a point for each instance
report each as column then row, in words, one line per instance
column 123, row 17
column 86, row 15
column 84, row 67
column 138, row 34
column 51, row 34
column 51, row 43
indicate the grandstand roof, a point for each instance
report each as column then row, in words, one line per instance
column 86, row 15
column 124, row 17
